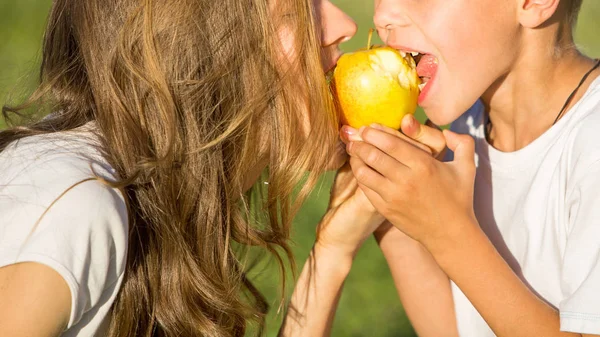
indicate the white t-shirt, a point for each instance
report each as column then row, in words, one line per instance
column 540, row 206
column 83, row 236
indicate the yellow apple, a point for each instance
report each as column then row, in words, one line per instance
column 375, row 85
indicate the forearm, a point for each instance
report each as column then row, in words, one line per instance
column 423, row 287
column 509, row 307
column 316, row 294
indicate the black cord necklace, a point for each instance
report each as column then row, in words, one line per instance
column 488, row 126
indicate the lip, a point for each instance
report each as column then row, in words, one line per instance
column 425, row 92
column 408, row 49
column 333, row 63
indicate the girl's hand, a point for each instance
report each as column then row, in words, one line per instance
column 414, row 191
column 350, row 218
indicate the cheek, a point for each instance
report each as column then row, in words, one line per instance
column 286, row 38
column 287, row 59
column 474, row 54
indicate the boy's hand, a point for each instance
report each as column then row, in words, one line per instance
column 428, row 137
column 427, row 199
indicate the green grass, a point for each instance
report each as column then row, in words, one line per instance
column 369, row 305
column 369, row 298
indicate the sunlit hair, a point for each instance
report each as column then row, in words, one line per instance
column 185, row 96
column 574, row 6
column 566, row 15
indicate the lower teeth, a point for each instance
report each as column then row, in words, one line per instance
column 422, row 85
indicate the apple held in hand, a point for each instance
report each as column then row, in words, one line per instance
column 376, row 85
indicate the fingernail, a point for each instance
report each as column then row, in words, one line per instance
column 350, row 133
column 411, row 125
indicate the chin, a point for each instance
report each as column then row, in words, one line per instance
column 445, row 114
column 438, row 117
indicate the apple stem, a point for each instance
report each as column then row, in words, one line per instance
column 370, row 37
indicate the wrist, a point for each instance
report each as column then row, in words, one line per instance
column 343, row 230
column 465, row 233
column 332, row 258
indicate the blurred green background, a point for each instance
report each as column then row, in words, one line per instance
column 369, row 305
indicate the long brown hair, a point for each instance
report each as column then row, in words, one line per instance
column 184, row 94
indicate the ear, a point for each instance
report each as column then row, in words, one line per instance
column 534, row 13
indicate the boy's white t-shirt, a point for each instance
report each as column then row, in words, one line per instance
column 540, row 206
column 82, row 236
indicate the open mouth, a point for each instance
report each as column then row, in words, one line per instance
column 427, row 65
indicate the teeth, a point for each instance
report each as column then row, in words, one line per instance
column 414, row 53
column 402, row 53
column 422, row 85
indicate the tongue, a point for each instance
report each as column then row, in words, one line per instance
column 427, row 66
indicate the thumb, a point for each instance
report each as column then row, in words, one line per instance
column 429, row 136
column 463, row 146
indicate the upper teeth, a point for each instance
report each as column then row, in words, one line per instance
column 414, row 53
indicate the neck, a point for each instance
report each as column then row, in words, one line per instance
column 524, row 103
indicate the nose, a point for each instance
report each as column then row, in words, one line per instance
column 337, row 26
column 388, row 15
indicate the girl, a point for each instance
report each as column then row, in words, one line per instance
column 121, row 212
column 512, row 217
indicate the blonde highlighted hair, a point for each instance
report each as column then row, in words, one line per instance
column 573, row 8
column 186, row 95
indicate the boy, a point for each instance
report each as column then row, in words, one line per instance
column 512, row 217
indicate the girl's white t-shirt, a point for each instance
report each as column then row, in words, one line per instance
column 540, row 206
column 83, row 233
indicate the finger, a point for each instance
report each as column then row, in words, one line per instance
column 377, row 159
column 399, row 134
column 463, row 147
column 429, row 136
column 349, row 134
column 398, row 148
column 374, row 197
column 365, row 175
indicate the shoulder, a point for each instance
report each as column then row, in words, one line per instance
column 54, row 211
column 52, row 180
column 60, row 155
column 42, row 173
column 584, row 130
